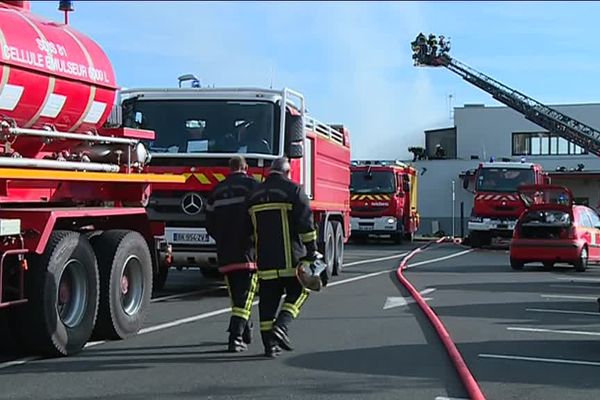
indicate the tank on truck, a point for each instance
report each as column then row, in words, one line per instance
column 77, row 252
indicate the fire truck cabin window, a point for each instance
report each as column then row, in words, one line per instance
column 372, row 182
column 503, row 179
column 198, row 126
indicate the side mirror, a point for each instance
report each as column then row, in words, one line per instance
column 295, row 150
column 294, row 128
column 466, row 183
column 546, row 180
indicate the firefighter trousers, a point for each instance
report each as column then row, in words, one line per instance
column 242, row 287
column 270, row 292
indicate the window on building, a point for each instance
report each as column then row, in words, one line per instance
column 542, row 144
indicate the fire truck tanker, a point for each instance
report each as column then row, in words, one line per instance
column 383, row 200
column 197, row 131
column 77, row 250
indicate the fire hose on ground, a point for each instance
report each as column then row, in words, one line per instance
column 469, row 382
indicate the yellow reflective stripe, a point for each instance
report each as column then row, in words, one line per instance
column 287, row 272
column 258, row 177
column 364, row 196
column 308, row 236
column 268, row 274
column 271, row 207
column 219, row 177
column 266, row 325
column 354, row 197
column 251, row 293
column 240, row 312
column 287, row 243
column 292, row 309
column 202, row 178
column 302, row 299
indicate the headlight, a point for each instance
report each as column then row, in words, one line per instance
column 391, row 220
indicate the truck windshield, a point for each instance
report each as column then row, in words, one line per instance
column 200, row 126
column 503, row 179
column 372, row 182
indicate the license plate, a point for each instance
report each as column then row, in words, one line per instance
column 191, row 237
column 365, row 227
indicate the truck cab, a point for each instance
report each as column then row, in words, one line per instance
column 383, row 200
column 496, row 203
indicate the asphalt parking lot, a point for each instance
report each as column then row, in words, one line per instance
column 528, row 334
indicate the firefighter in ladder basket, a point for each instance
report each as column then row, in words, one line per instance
column 227, row 224
column 287, row 258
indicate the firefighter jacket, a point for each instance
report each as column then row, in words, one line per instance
column 283, row 226
column 227, row 223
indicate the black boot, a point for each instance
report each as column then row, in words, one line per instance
column 236, row 344
column 247, row 335
column 280, row 330
column 272, row 349
column 283, row 340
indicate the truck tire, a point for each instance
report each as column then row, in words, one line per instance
column 582, row 261
column 479, row 239
column 327, row 248
column 516, row 265
column 125, row 267
column 397, row 237
column 62, row 288
column 338, row 258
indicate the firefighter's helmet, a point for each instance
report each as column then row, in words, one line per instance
column 309, row 273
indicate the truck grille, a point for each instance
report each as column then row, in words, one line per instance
column 167, row 207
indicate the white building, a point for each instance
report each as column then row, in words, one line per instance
column 482, row 132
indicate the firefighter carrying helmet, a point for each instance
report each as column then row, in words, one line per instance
column 309, row 273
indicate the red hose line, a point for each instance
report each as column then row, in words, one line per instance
column 465, row 375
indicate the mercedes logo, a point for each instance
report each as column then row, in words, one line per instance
column 191, row 204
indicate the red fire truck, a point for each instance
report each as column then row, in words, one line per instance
column 77, row 250
column 496, row 205
column 383, row 200
column 198, row 129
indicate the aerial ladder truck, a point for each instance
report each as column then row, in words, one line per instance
column 431, row 51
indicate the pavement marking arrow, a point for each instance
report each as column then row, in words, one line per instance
column 393, row 302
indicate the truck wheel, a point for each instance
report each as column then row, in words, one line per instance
column 125, row 266
column 328, row 250
column 479, row 239
column 397, row 237
column 581, row 263
column 62, row 288
column 160, row 278
column 516, row 265
column 338, row 259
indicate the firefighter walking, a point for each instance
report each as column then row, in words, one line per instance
column 227, row 223
column 285, row 235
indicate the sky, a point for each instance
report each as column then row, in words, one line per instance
column 352, row 60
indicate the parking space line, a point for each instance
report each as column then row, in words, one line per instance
column 593, row 288
column 559, row 331
column 392, row 257
column 19, row 361
column 540, row 359
column 186, row 294
column 591, row 280
column 566, row 296
column 552, row 311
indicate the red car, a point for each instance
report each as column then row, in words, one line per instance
column 554, row 230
